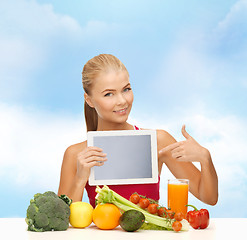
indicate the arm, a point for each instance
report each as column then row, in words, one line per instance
column 77, row 163
column 179, row 158
column 70, row 184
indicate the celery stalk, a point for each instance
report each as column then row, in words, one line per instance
column 106, row 195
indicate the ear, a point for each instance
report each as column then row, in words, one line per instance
column 88, row 100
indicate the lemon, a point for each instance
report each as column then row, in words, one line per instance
column 81, row 214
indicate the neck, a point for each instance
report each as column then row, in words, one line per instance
column 107, row 126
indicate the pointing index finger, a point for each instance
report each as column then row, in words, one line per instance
column 169, row 147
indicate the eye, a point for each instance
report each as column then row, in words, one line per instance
column 108, row 94
column 127, row 89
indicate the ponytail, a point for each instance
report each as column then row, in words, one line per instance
column 91, row 117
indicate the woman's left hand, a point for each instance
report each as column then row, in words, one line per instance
column 187, row 151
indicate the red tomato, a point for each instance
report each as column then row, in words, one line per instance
column 162, row 212
column 179, row 216
column 170, row 214
column 135, row 198
column 144, row 202
column 177, row 226
column 153, row 208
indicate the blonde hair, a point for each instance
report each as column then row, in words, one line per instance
column 102, row 63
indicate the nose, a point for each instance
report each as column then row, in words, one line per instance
column 121, row 99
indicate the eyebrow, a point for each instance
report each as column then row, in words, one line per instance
column 112, row 90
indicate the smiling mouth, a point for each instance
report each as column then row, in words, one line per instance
column 121, row 111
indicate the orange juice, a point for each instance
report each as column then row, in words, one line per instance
column 178, row 195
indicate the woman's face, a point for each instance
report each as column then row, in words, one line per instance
column 112, row 97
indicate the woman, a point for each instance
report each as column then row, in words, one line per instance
column 108, row 101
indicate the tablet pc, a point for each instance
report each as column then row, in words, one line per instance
column 131, row 157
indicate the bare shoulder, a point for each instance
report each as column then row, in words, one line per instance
column 74, row 149
column 164, row 138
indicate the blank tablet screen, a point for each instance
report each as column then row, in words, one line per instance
column 131, row 157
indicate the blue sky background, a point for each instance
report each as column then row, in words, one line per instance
column 187, row 65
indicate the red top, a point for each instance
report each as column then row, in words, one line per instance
column 150, row 190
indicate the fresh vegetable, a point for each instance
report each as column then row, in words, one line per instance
column 66, row 199
column 177, row 226
column 81, row 214
column 198, row 219
column 178, row 216
column 48, row 212
column 151, row 226
column 135, row 198
column 144, row 202
column 162, row 211
column 153, row 208
column 170, row 213
column 106, row 195
column 106, row 216
column 131, row 220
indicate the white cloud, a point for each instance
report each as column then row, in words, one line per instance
column 31, row 35
column 33, row 143
column 26, row 38
column 236, row 15
column 206, row 65
column 230, row 34
column 187, row 67
column 225, row 136
column 188, row 70
column 30, row 18
column 18, row 60
column 200, row 59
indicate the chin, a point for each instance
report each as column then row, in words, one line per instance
column 123, row 119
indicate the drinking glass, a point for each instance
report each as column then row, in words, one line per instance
column 178, row 195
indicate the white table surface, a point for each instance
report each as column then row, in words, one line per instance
column 230, row 228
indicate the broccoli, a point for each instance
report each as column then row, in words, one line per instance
column 48, row 212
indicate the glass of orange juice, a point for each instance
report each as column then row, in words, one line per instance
column 178, row 195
